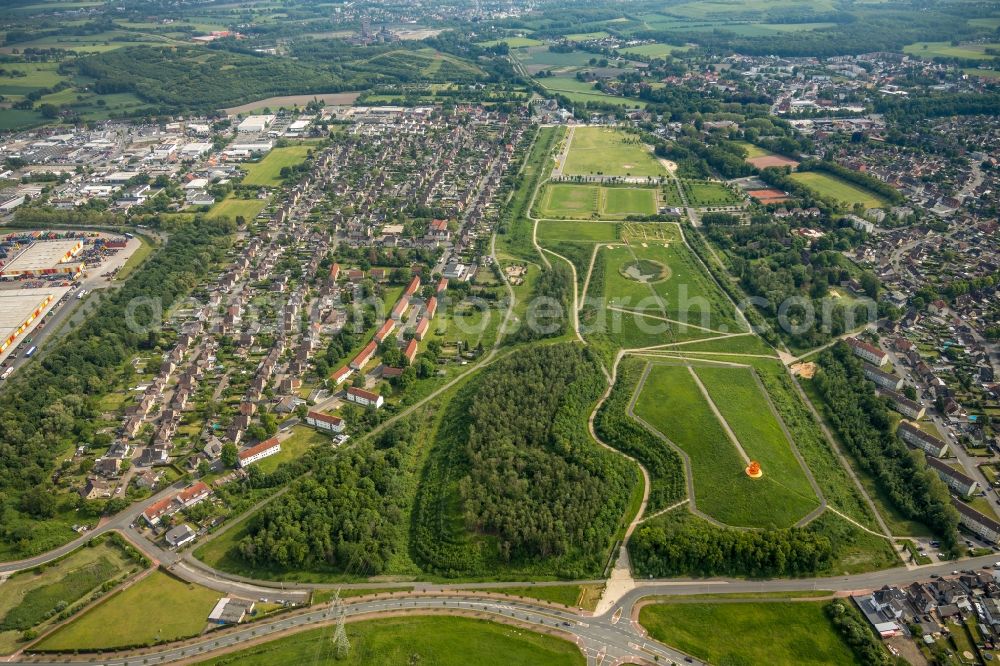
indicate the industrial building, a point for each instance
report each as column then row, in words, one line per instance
column 17, row 310
column 45, row 258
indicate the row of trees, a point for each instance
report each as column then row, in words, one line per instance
column 681, row 544
column 862, row 421
column 858, row 634
column 616, row 429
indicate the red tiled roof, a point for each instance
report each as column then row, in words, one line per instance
column 259, row 448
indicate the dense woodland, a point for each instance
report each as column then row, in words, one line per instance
column 346, row 517
column 532, row 485
column 863, row 423
column 787, row 277
column 51, row 405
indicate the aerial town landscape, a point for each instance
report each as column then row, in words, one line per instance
column 500, row 332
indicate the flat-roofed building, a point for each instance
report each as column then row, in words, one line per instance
column 17, row 312
column 45, row 258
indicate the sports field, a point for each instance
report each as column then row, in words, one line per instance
column 268, row 170
column 587, row 201
column 157, row 608
column 827, row 185
column 609, row 152
column 577, row 231
column 424, row 640
column 763, row 158
column 806, row 635
column 672, row 403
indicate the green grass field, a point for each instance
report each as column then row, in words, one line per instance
column 582, row 91
column 599, row 150
column 586, row 36
column 735, row 392
column 671, row 402
column 827, row 185
column 231, row 208
column 303, row 438
column 565, row 200
column 441, row 641
column 946, row 50
column 268, row 170
column 29, row 595
column 624, row 201
column 513, row 42
column 705, row 193
column 685, row 294
column 157, row 608
column 654, row 50
column 754, row 151
column 748, row 632
column 577, row 231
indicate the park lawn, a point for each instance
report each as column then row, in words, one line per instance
column 303, row 438
column 706, row 193
column 736, row 394
column 442, row 641
column 827, row 185
column 611, row 152
column 747, row 632
column 577, row 231
column 231, row 208
column 268, row 170
column 946, row 50
column 654, row 50
column 686, row 294
column 623, row 201
column 744, row 344
column 574, row 201
column 158, row 608
column 671, row 402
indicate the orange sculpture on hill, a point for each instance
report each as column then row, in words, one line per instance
column 753, row 470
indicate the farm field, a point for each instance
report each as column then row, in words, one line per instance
column 586, row 201
column 735, row 392
column 596, row 150
column 540, row 56
column 671, row 402
column 513, row 42
column 158, row 607
column 706, row 193
column 444, row 641
column 231, row 208
column 268, row 170
column 830, row 186
column 946, row 50
column 586, row 36
column 806, row 635
column 654, row 50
